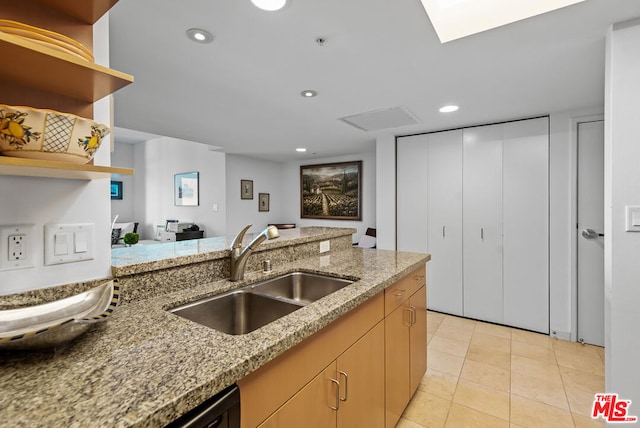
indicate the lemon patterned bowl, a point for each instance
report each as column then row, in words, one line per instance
column 32, row 133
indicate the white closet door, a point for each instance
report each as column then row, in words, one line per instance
column 444, row 190
column 411, row 203
column 526, row 224
column 482, row 223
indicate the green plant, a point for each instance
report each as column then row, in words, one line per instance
column 131, row 238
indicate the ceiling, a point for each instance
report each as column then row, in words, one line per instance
column 242, row 92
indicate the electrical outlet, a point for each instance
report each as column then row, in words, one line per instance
column 15, row 247
column 325, row 246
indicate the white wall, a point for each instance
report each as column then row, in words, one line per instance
column 123, row 156
column 156, row 162
column 386, row 191
column 291, row 193
column 267, row 178
column 37, row 201
column 622, row 188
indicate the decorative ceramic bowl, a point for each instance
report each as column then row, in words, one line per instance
column 27, row 132
column 52, row 324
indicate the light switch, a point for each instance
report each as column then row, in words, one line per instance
column 632, row 217
column 80, row 242
column 60, row 244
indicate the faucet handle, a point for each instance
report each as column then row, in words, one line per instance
column 237, row 241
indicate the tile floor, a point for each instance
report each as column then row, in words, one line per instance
column 484, row 375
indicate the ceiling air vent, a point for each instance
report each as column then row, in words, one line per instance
column 381, row 119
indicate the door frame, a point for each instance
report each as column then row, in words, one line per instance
column 575, row 121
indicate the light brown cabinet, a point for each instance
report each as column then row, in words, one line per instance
column 49, row 79
column 406, row 343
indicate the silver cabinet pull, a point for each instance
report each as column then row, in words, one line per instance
column 482, row 233
column 337, row 406
column 346, row 386
column 399, row 292
column 444, row 233
column 404, row 318
column 414, row 315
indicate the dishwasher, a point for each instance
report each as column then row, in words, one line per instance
column 220, row 411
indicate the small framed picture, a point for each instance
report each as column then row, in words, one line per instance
column 263, row 202
column 246, row 189
column 116, row 190
column 186, row 189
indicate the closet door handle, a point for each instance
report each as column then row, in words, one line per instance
column 337, row 406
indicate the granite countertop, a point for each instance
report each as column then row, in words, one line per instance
column 146, row 366
column 144, row 258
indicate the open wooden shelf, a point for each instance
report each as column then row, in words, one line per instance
column 57, row 72
column 41, row 168
column 87, row 11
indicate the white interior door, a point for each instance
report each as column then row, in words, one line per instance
column 526, row 224
column 444, row 230
column 590, row 227
column 482, row 223
column 411, row 202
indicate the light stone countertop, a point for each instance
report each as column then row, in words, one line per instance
column 144, row 258
column 146, row 366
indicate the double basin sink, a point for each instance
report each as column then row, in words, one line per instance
column 249, row 308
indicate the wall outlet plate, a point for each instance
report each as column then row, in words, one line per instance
column 325, row 246
column 16, row 251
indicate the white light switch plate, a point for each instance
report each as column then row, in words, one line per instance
column 68, row 243
column 632, row 218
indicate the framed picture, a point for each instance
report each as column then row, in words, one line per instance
column 116, row 190
column 246, row 189
column 185, row 189
column 263, row 202
column 331, row 191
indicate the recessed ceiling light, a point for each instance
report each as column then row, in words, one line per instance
column 309, row 93
column 199, row 35
column 448, row 109
column 269, row 5
column 301, row 150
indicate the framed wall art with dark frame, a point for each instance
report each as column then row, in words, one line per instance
column 263, row 202
column 185, row 189
column 331, row 191
column 116, row 189
column 246, row 189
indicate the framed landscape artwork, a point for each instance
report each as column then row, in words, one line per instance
column 185, row 189
column 331, row 191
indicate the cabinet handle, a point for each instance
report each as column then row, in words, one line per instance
column 482, row 233
column 404, row 320
column 414, row 316
column 444, row 234
column 399, row 292
column 346, row 386
column 337, row 406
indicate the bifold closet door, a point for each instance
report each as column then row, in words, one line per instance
column 526, row 224
column 411, row 195
column 444, row 228
column 482, row 222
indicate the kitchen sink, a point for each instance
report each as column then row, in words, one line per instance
column 300, row 286
column 247, row 309
column 238, row 312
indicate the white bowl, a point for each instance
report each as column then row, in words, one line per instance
column 28, row 132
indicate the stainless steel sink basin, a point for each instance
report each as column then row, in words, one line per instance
column 300, row 286
column 247, row 309
column 238, row 312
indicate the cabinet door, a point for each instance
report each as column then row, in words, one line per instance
column 418, row 337
column 311, row 406
column 361, row 376
column 526, row 224
column 444, row 214
column 482, row 223
column 411, row 203
column 397, row 383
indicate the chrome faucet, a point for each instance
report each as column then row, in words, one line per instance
column 239, row 255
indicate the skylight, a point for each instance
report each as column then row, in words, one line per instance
column 454, row 19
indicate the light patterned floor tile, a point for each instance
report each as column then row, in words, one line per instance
column 535, row 388
column 485, row 374
column 443, row 362
column 491, row 342
column 531, row 338
column 427, row 410
column 455, row 333
column 580, row 362
column 576, row 348
column 488, row 356
column 588, row 422
column 534, row 352
column 535, row 414
column 576, row 379
column 580, row 402
column 482, row 398
column 527, row 366
column 459, row 322
column 448, row 346
column 406, row 423
column 493, row 329
column 439, row 383
column 464, row 417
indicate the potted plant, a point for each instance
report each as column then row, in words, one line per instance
column 131, row 238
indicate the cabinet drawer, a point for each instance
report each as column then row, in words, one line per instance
column 397, row 293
